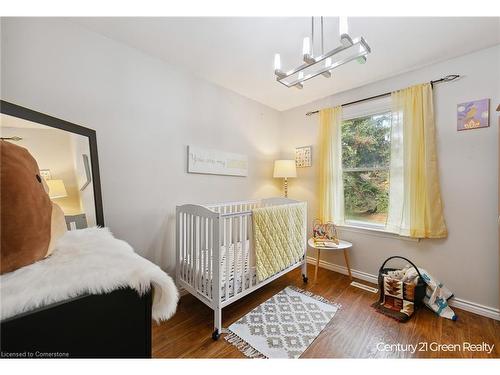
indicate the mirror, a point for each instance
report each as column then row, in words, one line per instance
column 67, row 157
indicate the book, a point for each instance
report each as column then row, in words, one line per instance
column 326, row 244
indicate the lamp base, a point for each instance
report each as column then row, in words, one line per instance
column 285, row 186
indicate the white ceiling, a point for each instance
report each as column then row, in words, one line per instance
column 7, row 121
column 237, row 53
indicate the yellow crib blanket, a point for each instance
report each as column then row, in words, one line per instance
column 279, row 235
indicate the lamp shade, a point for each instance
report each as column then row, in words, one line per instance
column 56, row 189
column 284, row 169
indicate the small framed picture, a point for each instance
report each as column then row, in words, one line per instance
column 473, row 115
column 303, row 156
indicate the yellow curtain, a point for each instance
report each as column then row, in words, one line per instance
column 331, row 200
column 413, row 108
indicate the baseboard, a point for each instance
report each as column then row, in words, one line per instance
column 182, row 291
column 476, row 308
column 343, row 270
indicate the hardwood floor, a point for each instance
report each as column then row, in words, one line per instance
column 354, row 332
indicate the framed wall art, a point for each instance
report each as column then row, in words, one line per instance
column 473, row 115
column 208, row 161
column 303, row 156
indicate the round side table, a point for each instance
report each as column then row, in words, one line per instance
column 343, row 245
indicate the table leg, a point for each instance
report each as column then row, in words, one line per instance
column 346, row 257
column 317, row 266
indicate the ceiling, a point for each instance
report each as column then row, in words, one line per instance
column 7, row 121
column 237, row 53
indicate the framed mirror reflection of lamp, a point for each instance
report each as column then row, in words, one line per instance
column 66, row 154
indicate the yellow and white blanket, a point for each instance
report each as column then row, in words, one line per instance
column 279, row 235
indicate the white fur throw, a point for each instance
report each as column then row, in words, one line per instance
column 86, row 261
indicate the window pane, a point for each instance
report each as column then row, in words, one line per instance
column 365, row 162
column 366, row 196
column 366, row 141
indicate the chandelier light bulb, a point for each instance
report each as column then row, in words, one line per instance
column 343, row 26
column 306, row 46
column 277, row 61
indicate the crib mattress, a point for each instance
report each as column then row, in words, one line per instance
column 235, row 275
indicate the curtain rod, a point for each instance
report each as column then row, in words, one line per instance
column 448, row 78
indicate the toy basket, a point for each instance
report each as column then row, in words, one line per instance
column 399, row 299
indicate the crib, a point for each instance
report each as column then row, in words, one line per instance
column 215, row 258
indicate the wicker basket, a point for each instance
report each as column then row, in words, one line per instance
column 408, row 296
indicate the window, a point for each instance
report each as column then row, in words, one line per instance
column 366, row 150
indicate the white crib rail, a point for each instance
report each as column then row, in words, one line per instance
column 234, row 207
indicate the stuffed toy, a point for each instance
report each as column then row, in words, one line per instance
column 30, row 223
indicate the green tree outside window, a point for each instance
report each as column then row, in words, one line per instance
column 365, row 163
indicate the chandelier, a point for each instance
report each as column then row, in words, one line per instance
column 323, row 64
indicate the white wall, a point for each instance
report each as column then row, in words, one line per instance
column 145, row 113
column 467, row 261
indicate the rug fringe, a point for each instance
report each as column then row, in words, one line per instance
column 315, row 296
column 244, row 347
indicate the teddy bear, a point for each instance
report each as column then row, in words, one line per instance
column 30, row 223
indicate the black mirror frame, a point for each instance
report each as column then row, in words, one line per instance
column 43, row 119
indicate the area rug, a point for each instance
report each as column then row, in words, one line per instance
column 283, row 326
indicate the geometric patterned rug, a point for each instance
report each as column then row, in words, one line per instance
column 283, row 326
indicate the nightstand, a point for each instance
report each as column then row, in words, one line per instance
column 343, row 245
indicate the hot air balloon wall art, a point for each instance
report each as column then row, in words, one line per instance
column 473, row 115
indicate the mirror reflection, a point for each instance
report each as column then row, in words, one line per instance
column 65, row 164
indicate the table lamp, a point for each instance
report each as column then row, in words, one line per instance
column 56, row 189
column 285, row 169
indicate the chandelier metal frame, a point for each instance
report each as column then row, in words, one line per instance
column 324, row 63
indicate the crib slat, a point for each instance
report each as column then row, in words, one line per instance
column 186, row 266
column 251, row 251
column 177, row 244
column 184, row 246
column 235, row 253
column 243, row 240
column 227, row 229
column 199, row 252
column 181, row 244
column 186, row 271
column 201, row 255
column 210, row 258
column 204, row 253
column 191, row 251
column 217, row 243
column 188, row 242
column 196, row 250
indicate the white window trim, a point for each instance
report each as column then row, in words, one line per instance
column 368, row 108
column 373, row 230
